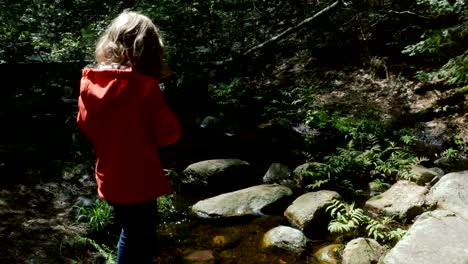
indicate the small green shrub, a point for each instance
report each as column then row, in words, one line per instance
column 379, row 185
column 166, row 208
column 229, row 93
column 451, row 154
column 98, row 216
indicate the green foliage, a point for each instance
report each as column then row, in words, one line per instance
column 397, row 162
column 98, row 216
column 351, row 166
column 229, row 93
column 166, row 208
column 362, row 131
column 443, row 6
column 345, row 217
column 454, row 72
column 380, row 185
column 451, row 154
column 408, row 139
column 342, row 169
column 351, row 221
column 106, row 252
column 318, row 118
column 432, row 42
column 291, row 103
column 49, row 30
column 444, row 44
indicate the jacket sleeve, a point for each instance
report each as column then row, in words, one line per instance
column 82, row 111
column 166, row 125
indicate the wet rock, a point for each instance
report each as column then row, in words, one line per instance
column 363, row 251
column 307, row 212
column 250, row 201
column 432, row 140
column 329, row 254
column 422, row 175
column 286, row 238
column 404, row 199
column 209, row 122
column 435, row 237
column 281, row 174
column 200, row 257
column 227, row 240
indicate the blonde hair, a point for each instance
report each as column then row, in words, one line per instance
column 132, row 39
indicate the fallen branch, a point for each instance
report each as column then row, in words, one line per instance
column 290, row 30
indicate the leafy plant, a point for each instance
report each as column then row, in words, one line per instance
column 454, row 72
column 380, row 185
column 444, row 44
column 98, row 216
column 350, row 167
column 349, row 220
column 106, row 252
column 397, row 162
column 345, row 217
column 459, row 144
column 451, row 154
column 229, row 93
column 166, row 208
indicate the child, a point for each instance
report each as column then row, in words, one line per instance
column 123, row 114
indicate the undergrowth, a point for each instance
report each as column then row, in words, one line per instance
column 349, row 221
column 364, row 158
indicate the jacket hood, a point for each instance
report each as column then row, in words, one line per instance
column 102, row 88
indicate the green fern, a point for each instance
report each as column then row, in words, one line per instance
column 317, row 184
column 348, row 220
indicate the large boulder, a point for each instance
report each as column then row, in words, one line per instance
column 308, row 212
column 404, row 200
column 363, row 251
column 286, row 238
column 217, row 176
column 255, row 200
column 450, row 165
column 435, row 237
column 450, row 193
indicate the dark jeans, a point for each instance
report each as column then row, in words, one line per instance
column 137, row 241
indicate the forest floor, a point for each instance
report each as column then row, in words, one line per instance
column 37, row 220
column 38, row 213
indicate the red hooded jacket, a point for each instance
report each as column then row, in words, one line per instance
column 124, row 115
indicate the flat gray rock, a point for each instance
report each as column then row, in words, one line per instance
column 437, row 237
column 451, row 193
column 404, row 199
column 248, row 201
